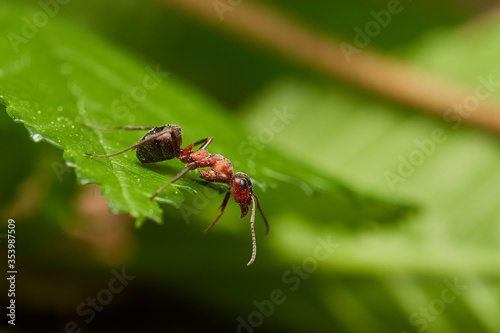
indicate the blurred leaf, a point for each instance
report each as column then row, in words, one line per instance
column 15, row 145
column 83, row 79
column 392, row 276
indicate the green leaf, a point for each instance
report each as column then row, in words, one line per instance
column 82, row 79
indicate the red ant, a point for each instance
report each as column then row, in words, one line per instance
column 164, row 143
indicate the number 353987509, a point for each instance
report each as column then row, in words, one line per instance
column 11, row 255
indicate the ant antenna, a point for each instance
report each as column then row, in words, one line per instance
column 254, row 242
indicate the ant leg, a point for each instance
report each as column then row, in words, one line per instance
column 188, row 167
column 152, row 137
column 120, row 127
column 222, row 207
column 205, row 143
column 261, row 213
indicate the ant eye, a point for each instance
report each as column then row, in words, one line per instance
column 243, row 184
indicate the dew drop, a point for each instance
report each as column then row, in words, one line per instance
column 72, row 126
column 39, row 111
column 37, row 137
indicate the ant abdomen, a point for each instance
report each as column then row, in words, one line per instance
column 164, row 147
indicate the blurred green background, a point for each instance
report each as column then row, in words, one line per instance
column 436, row 270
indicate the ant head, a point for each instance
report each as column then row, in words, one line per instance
column 242, row 191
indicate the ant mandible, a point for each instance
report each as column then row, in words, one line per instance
column 162, row 143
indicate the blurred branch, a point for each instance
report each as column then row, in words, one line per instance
column 491, row 13
column 385, row 76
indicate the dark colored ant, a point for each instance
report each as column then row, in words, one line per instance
column 164, row 143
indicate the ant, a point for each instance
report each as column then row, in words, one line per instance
column 162, row 143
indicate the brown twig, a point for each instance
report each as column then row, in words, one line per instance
column 388, row 77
